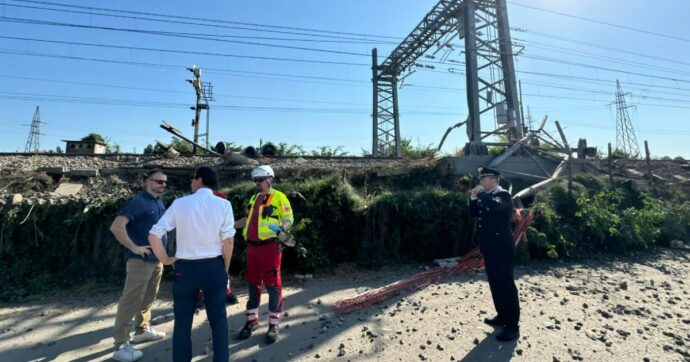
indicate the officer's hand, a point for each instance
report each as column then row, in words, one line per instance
column 142, row 251
column 477, row 190
column 282, row 236
column 169, row 261
column 275, row 228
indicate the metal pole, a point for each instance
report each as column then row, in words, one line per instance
column 649, row 163
column 522, row 107
column 396, row 117
column 197, row 115
column 506, row 48
column 570, row 159
column 472, row 77
column 610, row 165
column 375, row 113
column 208, row 110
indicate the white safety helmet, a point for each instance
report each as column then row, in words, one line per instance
column 262, row 171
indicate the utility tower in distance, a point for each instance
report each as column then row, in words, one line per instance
column 204, row 94
column 33, row 144
column 626, row 140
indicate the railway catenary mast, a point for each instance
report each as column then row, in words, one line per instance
column 489, row 69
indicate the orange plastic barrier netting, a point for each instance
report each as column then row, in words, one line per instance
column 471, row 261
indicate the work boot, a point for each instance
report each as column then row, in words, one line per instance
column 495, row 321
column 230, row 297
column 272, row 334
column 247, row 330
column 508, row 334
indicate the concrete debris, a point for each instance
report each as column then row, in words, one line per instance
column 84, row 172
column 68, row 189
column 634, row 172
column 16, row 199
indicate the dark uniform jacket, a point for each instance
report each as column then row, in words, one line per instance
column 494, row 212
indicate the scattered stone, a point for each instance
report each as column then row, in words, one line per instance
column 16, row 199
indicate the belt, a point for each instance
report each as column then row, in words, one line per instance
column 262, row 242
column 199, row 261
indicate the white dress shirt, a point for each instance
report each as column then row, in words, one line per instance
column 202, row 220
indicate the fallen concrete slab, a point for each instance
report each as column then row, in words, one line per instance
column 68, row 189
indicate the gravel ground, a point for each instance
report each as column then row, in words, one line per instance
column 610, row 309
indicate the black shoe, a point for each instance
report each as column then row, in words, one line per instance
column 508, row 334
column 231, row 298
column 272, row 334
column 495, row 321
column 247, row 330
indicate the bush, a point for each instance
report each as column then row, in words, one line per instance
column 418, row 225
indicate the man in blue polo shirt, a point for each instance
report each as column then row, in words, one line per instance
column 131, row 228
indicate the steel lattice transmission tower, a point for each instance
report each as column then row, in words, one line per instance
column 489, row 68
column 33, row 143
column 626, row 140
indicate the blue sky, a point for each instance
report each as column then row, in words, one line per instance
column 568, row 69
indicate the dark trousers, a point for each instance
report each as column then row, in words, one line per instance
column 190, row 277
column 499, row 271
column 275, row 300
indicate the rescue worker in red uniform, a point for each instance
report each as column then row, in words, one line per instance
column 269, row 217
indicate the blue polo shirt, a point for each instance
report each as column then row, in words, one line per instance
column 143, row 212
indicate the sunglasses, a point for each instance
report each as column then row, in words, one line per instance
column 194, row 177
column 160, row 182
column 260, row 179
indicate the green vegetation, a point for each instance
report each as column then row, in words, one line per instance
column 407, row 218
column 599, row 218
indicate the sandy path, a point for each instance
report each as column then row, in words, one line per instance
column 604, row 310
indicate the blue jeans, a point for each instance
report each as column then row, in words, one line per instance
column 190, row 277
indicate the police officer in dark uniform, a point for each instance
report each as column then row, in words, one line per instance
column 492, row 207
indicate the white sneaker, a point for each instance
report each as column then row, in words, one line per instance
column 149, row 334
column 127, row 353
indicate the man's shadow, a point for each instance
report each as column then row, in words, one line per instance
column 490, row 349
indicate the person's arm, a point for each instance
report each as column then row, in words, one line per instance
column 228, row 245
column 119, row 230
column 159, row 250
column 287, row 217
column 239, row 224
column 166, row 223
column 474, row 201
column 227, row 233
column 498, row 202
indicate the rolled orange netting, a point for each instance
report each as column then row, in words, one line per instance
column 469, row 262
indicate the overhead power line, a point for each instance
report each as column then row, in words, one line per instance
column 601, row 46
column 339, row 81
column 601, row 22
column 180, row 51
column 176, row 35
column 195, row 21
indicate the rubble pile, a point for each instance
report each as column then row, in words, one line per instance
column 39, row 178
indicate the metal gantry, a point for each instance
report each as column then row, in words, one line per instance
column 489, row 69
column 626, row 140
column 33, row 142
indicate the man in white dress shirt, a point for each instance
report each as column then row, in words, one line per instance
column 204, row 236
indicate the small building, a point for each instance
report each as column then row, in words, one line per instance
column 85, row 147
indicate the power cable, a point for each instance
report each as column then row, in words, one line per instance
column 601, row 22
